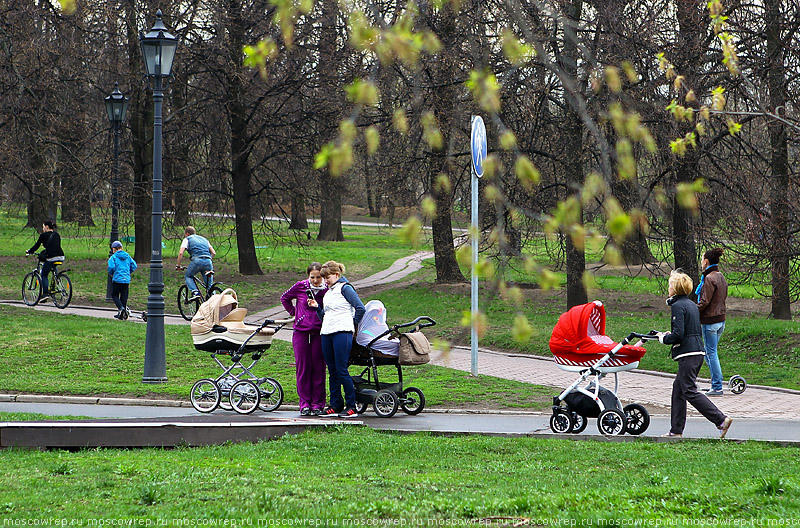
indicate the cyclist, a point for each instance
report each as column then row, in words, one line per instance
column 201, row 253
column 52, row 252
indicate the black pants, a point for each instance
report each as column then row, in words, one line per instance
column 685, row 389
column 119, row 293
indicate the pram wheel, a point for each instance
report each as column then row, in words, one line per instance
column 737, row 384
column 637, row 419
column 611, row 422
column 271, row 394
column 245, row 397
column 413, row 401
column 205, row 395
column 561, row 422
column 385, row 403
column 579, row 423
column 361, row 407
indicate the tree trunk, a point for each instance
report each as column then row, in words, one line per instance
column 140, row 116
column 299, row 219
column 573, row 132
column 240, row 146
column 330, row 226
column 779, row 164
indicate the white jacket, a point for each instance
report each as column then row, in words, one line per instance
column 338, row 312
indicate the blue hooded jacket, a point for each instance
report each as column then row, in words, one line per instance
column 120, row 266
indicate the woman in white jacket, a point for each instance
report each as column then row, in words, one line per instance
column 341, row 312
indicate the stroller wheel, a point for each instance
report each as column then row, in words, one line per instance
column 579, row 423
column 611, row 422
column 637, row 419
column 361, row 407
column 271, row 395
column 386, row 403
column 737, row 384
column 561, row 422
column 245, row 397
column 413, row 401
column 205, row 395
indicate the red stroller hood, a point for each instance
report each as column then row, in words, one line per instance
column 582, row 329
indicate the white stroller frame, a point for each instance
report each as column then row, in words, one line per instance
column 613, row 419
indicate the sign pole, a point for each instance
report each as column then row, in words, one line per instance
column 478, row 148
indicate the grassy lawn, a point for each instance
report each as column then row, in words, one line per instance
column 69, row 354
column 372, row 476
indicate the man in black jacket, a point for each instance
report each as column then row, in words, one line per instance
column 686, row 339
column 51, row 242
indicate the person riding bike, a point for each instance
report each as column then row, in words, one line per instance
column 201, row 253
column 51, row 242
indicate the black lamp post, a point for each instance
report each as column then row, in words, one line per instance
column 158, row 49
column 116, row 107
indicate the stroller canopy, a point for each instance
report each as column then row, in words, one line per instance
column 582, row 329
column 374, row 324
column 213, row 311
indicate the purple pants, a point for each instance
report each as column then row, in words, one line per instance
column 310, row 369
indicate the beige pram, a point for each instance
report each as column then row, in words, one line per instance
column 218, row 327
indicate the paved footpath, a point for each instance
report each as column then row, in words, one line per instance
column 651, row 388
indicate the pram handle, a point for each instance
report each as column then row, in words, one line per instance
column 423, row 321
column 277, row 321
column 652, row 335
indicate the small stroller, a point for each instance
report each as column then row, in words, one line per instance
column 375, row 344
column 579, row 344
column 218, row 327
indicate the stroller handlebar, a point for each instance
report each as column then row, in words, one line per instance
column 652, row 335
column 422, row 321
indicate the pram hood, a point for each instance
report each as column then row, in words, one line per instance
column 582, row 330
column 214, row 310
column 374, row 324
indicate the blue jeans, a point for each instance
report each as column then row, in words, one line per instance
column 711, row 335
column 195, row 266
column 46, row 267
column 336, row 351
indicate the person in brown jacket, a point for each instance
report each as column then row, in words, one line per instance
column 712, row 292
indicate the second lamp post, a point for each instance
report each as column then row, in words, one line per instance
column 116, row 108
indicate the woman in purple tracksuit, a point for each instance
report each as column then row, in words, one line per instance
column 306, row 340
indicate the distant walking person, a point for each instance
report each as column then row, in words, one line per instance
column 201, row 254
column 51, row 242
column 120, row 266
column 712, row 292
column 687, row 349
column 306, row 341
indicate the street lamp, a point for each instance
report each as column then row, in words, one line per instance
column 116, row 107
column 158, row 49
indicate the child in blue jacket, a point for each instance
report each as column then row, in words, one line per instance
column 120, row 267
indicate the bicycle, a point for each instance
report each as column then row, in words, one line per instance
column 188, row 307
column 59, row 286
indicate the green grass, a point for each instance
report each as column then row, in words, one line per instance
column 70, row 354
column 370, row 476
column 28, row 417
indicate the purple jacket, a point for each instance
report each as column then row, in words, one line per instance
column 305, row 318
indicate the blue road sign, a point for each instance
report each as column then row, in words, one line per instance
column 478, row 144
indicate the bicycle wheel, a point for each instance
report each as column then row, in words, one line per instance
column 31, row 289
column 214, row 290
column 62, row 290
column 185, row 306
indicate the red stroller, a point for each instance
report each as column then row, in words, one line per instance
column 579, row 344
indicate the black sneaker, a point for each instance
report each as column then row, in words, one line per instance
column 305, row 411
column 316, row 412
column 348, row 413
column 328, row 411
column 118, row 315
column 195, row 296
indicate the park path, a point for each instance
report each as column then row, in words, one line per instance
column 653, row 388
